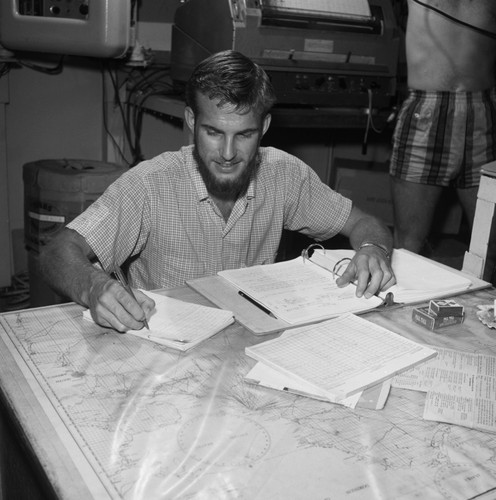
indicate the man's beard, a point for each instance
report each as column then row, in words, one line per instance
column 229, row 189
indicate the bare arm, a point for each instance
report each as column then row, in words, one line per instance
column 66, row 265
column 370, row 266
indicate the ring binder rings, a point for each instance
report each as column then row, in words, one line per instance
column 305, row 254
column 418, row 279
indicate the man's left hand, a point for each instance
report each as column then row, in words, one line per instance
column 370, row 270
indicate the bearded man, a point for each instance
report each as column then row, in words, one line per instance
column 220, row 203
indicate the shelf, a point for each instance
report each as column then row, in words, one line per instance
column 290, row 117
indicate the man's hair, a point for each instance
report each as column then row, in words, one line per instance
column 232, row 78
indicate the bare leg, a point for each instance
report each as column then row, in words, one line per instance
column 414, row 205
column 468, row 200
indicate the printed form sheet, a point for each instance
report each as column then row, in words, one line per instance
column 297, row 291
column 340, row 356
column 460, row 386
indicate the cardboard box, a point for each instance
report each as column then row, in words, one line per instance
column 421, row 316
column 445, row 307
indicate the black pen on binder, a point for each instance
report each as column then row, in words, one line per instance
column 123, row 281
column 255, row 303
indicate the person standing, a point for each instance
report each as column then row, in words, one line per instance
column 446, row 126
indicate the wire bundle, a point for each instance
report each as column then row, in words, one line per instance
column 140, row 84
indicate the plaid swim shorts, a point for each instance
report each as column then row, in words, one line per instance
column 443, row 138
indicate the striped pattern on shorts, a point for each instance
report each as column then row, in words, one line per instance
column 443, row 138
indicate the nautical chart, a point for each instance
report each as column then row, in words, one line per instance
column 152, row 423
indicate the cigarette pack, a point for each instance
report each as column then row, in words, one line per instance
column 421, row 316
column 444, row 308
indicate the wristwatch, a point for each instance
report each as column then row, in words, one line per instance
column 366, row 244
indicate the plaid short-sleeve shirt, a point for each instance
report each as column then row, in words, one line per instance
column 160, row 218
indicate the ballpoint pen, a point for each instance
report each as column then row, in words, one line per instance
column 257, row 304
column 123, row 281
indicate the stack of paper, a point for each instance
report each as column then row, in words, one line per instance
column 181, row 325
column 373, row 398
column 339, row 357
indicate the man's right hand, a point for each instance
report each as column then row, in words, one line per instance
column 66, row 264
column 112, row 306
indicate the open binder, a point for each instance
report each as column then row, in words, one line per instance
column 303, row 291
column 418, row 279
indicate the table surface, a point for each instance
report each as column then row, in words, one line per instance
column 114, row 416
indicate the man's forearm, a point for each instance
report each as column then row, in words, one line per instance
column 69, row 272
column 371, row 230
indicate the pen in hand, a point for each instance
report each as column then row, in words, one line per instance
column 123, row 281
